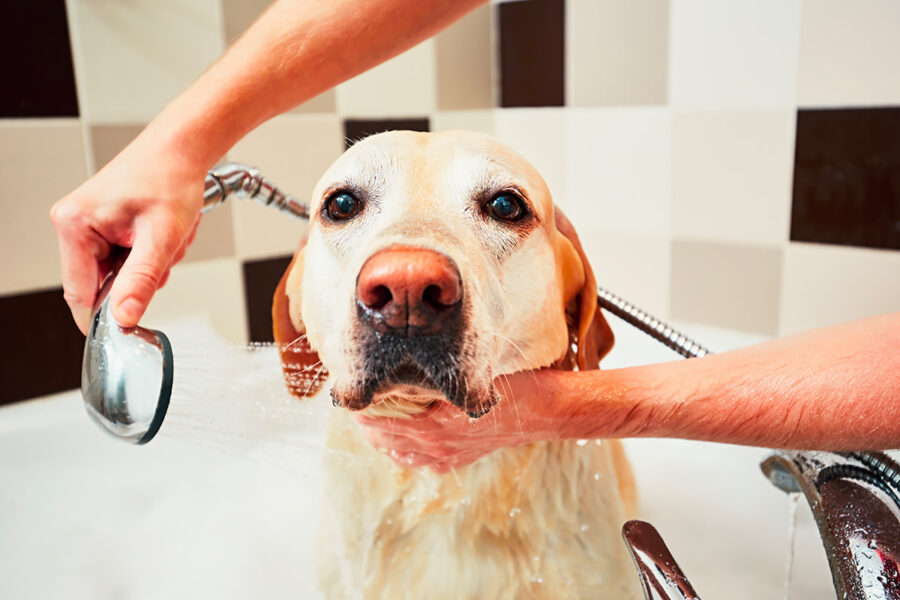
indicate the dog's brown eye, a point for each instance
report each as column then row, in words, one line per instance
column 506, row 207
column 342, row 206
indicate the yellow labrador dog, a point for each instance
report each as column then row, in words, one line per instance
column 435, row 263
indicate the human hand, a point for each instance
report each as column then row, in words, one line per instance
column 148, row 199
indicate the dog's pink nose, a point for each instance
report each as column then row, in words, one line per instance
column 408, row 290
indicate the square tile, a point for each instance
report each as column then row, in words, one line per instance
column 847, row 177
column 40, row 162
column 470, row 120
column 40, row 80
column 848, row 53
column 108, row 140
column 293, row 151
column 357, row 129
column 726, row 285
column 733, row 53
column 731, row 175
column 617, row 52
column 261, row 277
column 405, row 85
column 132, row 58
column 538, row 134
column 825, row 285
column 532, row 53
column 619, row 168
column 465, row 63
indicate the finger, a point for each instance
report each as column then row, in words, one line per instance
column 79, row 256
column 165, row 279
column 141, row 275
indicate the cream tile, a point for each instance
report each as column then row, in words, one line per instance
column 732, row 175
column 472, row 120
column 108, row 140
column 464, row 61
column 133, row 57
column 538, row 134
column 239, row 15
column 733, row 53
column 215, row 236
column 634, row 266
column 848, row 53
column 618, row 166
column 401, row 87
column 726, row 285
column 326, row 102
column 616, row 52
column 40, row 162
column 824, row 285
column 207, row 293
column 293, row 151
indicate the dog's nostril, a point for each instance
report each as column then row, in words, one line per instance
column 432, row 296
column 379, row 297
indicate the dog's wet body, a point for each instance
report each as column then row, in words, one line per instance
column 434, row 264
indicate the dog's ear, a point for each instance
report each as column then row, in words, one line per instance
column 590, row 336
column 303, row 373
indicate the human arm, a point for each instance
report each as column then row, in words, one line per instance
column 149, row 197
column 835, row 388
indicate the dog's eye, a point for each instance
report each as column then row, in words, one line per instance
column 342, row 206
column 506, row 207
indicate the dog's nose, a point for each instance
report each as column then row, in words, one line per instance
column 408, row 291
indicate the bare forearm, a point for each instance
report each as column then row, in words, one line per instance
column 296, row 50
column 832, row 388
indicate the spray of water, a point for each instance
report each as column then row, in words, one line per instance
column 793, row 503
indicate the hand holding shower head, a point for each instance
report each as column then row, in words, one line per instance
column 127, row 372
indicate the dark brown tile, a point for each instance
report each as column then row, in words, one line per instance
column 42, row 348
column 38, row 78
column 357, row 129
column 261, row 277
column 847, row 177
column 532, row 53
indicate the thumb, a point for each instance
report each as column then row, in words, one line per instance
column 143, row 271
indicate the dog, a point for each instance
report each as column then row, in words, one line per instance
column 434, row 263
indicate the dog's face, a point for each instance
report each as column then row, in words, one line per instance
column 434, row 263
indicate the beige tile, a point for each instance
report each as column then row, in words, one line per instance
column 824, row 285
column 215, row 236
column 40, row 162
column 471, row 120
column 848, row 53
column 326, row 102
column 634, row 266
column 732, row 175
column 108, row 140
column 238, row 15
column 293, row 151
column 616, row 52
column 464, row 63
column 538, row 134
column 733, row 53
column 618, row 165
column 201, row 295
column 404, row 86
column 726, row 285
column 133, row 57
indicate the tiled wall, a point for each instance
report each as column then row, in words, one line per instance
column 727, row 162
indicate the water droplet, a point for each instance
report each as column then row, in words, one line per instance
column 585, row 527
column 514, row 511
column 466, row 500
column 582, row 442
column 389, row 521
column 596, row 476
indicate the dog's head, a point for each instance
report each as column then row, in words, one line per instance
column 435, row 263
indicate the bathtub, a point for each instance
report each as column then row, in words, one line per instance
column 86, row 516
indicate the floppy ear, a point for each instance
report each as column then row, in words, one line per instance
column 588, row 330
column 303, row 373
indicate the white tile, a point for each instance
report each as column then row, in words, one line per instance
column 293, row 151
column 208, row 293
column 41, row 161
column 733, row 53
column 848, row 53
column 634, row 266
column 132, row 58
column 404, row 86
column 824, row 285
column 618, row 168
column 538, row 134
column 732, row 175
column 471, row 120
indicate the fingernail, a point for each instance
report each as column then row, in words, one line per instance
column 129, row 311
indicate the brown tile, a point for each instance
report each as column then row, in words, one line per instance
column 42, row 348
column 726, row 285
column 847, row 177
column 464, row 60
column 108, row 140
column 532, row 53
column 38, row 78
column 326, row 102
column 357, row 129
column 261, row 277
